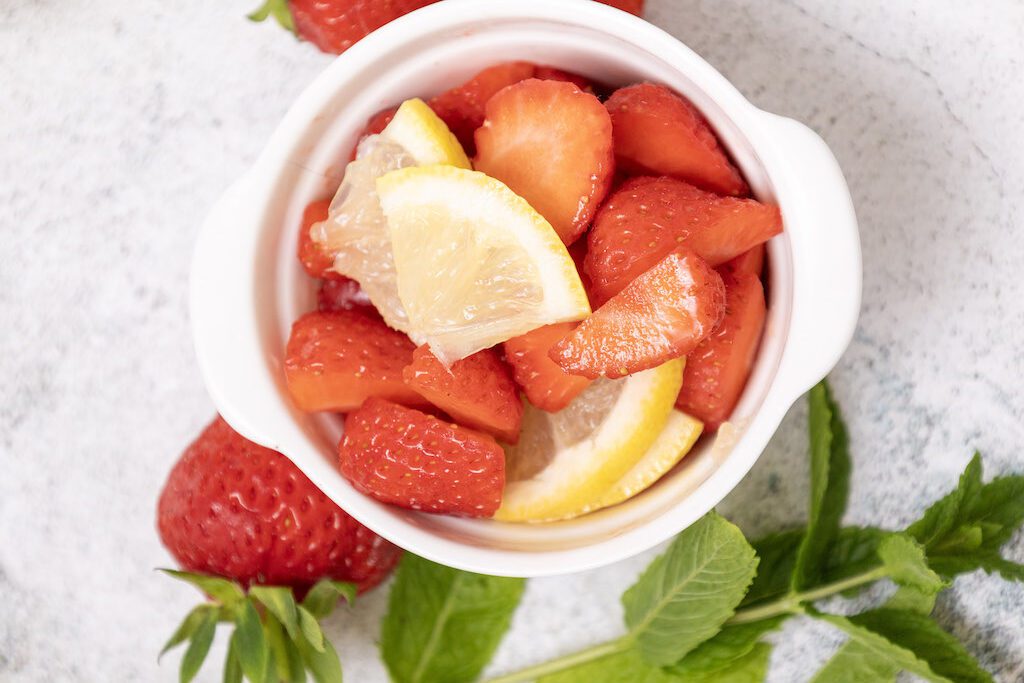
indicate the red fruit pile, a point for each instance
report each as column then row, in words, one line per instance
column 671, row 257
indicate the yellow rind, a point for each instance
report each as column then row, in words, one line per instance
column 425, row 136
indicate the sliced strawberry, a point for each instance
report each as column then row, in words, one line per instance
column 717, row 370
column 377, row 123
column 462, row 107
column 344, row 294
column 551, row 143
column 661, row 315
column 314, row 259
column 477, row 392
column 550, row 73
column 632, row 6
column 401, row 456
column 546, row 385
column 658, row 132
column 646, row 218
column 334, row 25
column 335, row 361
column 750, row 262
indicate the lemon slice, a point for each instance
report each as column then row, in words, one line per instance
column 355, row 230
column 476, row 265
column 566, row 461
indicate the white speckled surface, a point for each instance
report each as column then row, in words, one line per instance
column 120, row 124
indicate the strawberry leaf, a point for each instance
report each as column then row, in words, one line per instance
column 323, row 597
column 325, row 666
column 443, row 624
column 310, row 628
column 279, row 10
column 830, row 483
column 687, row 593
column 227, row 593
column 286, row 657
column 250, row 644
column 187, row 627
column 232, row 668
column 280, row 602
column 199, row 646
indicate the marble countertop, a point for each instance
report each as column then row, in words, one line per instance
column 120, row 124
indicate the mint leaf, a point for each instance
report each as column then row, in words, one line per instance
column 687, row 593
column 324, row 666
column 732, row 643
column 910, row 641
column 854, row 551
column 443, row 624
column 856, row 663
column 751, row 668
column 627, row 666
column 323, row 596
column 198, row 646
column 965, row 530
column 280, row 602
column 830, row 483
column 250, row 645
column 225, row 592
column 905, row 562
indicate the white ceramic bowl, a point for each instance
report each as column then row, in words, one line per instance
column 247, row 286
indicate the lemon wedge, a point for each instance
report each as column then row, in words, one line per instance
column 355, row 230
column 566, row 461
column 476, row 264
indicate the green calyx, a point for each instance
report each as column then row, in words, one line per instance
column 275, row 638
column 279, row 10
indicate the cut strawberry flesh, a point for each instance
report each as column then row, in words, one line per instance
column 550, row 73
column 344, row 294
column 657, row 132
column 717, row 370
column 551, row 143
column 546, row 385
column 316, row 261
column 404, row 457
column 647, row 218
column 335, row 361
column 661, row 315
column 477, row 392
column 750, row 262
column 462, row 107
column 375, row 126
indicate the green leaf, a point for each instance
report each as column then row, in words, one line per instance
column 855, row 662
column 250, row 645
column 324, row 666
column 225, row 592
column 280, row 602
column 310, row 628
column 187, row 627
column 287, row 660
column 910, row 641
column 322, row 597
column 776, row 554
column 232, row 668
column 279, row 10
column 854, row 551
column 965, row 530
column 830, row 484
column 733, row 642
column 751, row 668
column 443, row 624
column 199, row 646
column 904, row 559
column 687, row 593
column 627, row 666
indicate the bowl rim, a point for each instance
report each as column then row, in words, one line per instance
column 759, row 128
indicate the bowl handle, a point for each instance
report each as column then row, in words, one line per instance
column 825, row 249
column 225, row 328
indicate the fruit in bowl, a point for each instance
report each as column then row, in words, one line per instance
column 532, row 301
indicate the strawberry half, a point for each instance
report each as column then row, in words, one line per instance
column 477, row 391
column 551, row 143
column 717, row 370
column 375, row 126
column 334, row 25
column 545, row 384
column 462, row 107
column 661, row 315
column 335, row 361
column 750, row 262
column 657, row 132
column 317, row 262
column 647, row 218
column 401, row 456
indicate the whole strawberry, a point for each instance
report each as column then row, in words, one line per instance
column 254, row 535
column 244, row 512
